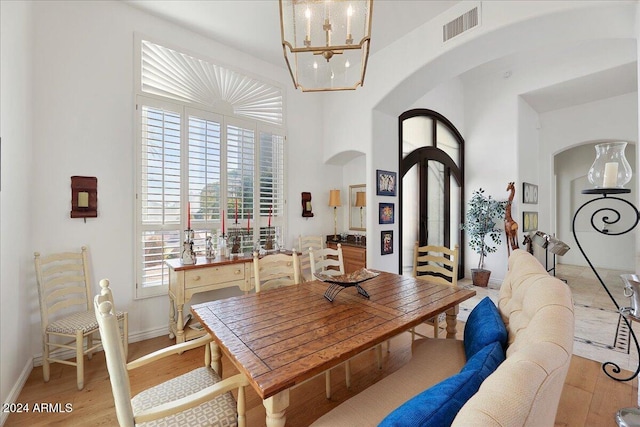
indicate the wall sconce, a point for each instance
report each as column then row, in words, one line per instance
column 306, row 205
column 84, row 197
column 610, row 168
column 334, row 202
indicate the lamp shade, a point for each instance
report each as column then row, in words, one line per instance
column 334, row 198
column 361, row 199
column 326, row 43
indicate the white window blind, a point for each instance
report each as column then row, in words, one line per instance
column 176, row 75
column 214, row 164
column 204, row 170
column 160, row 191
column 240, row 179
column 271, row 172
column 202, row 129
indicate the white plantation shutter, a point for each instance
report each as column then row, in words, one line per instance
column 240, row 177
column 271, row 173
column 204, row 157
column 271, row 179
column 159, row 196
column 204, row 160
column 176, row 75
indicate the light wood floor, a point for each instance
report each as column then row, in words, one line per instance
column 589, row 397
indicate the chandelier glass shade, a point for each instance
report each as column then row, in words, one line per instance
column 326, row 42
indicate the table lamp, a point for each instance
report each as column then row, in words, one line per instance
column 361, row 202
column 334, row 202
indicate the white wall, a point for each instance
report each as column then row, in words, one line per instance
column 354, row 173
column 406, row 70
column 448, row 100
column 529, row 170
column 16, row 252
column 306, row 169
column 614, row 118
column 491, row 151
column 84, row 107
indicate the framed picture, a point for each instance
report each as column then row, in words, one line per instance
column 387, row 213
column 385, row 183
column 386, row 242
column 529, row 221
column 529, row 193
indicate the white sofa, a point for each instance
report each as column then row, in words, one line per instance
column 524, row 390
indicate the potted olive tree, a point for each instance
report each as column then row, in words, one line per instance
column 483, row 216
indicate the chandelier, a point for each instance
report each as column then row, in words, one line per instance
column 326, row 42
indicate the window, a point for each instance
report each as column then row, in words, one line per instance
column 205, row 161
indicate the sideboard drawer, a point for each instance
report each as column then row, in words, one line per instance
column 201, row 277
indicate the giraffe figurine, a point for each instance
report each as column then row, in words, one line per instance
column 510, row 226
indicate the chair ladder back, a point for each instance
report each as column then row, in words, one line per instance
column 116, row 366
column 276, row 270
column 63, row 283
column 304, row 244
column 440, row 263
column 323, row 259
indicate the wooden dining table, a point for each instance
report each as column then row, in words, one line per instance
column 282, row 337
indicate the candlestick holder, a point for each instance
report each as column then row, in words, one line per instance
column 271, row 240
column 188, row 255
column 223, row 248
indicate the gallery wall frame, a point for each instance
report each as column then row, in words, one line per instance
column 386, row 213
column 386, row 242
column 386, row 183
column 529, row 193
column 529, row 221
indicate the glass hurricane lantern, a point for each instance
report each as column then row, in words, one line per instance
column 610, row 168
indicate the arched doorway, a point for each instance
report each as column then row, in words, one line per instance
column 570, row 177
column 431, row 183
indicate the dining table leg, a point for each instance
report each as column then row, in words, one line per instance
column 452, row 321
column 276, row 407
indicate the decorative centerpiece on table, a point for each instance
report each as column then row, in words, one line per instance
column 339, row 282
column 483, row 215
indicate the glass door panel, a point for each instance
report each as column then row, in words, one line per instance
column 435, row 204
column 410, row 216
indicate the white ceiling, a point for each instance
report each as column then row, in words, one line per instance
column 252, row 26
column 600, row 85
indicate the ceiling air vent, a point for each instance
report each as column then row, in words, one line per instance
column 459, row 25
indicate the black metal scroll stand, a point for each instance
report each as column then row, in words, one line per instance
column 546, row 262
column 335, row 288
column 604, row 215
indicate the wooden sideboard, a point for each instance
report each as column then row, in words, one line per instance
column 205, row 275
column 354, row 255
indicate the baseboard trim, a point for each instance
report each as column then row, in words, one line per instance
column 17, row 388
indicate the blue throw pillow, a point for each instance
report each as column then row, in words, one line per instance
column 439, row 405
column 484, row 326
column 486, row 360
